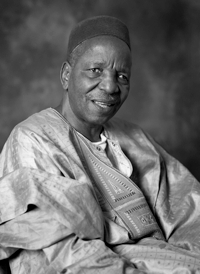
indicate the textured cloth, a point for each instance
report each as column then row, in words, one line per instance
column 97, row 26
column 120, row 196
column 51, row 221
column 111, row 153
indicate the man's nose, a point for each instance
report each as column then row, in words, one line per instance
column 109, row 84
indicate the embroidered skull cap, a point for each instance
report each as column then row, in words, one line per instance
column 97, row 26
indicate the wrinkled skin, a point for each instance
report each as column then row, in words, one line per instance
column 96, row 85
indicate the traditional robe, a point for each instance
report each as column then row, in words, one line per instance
column 52, row 222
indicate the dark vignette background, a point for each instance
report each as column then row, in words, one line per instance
column 164, row 97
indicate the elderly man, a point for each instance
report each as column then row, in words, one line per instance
column 80, row 193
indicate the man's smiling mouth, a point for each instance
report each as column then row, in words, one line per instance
column 104, row 104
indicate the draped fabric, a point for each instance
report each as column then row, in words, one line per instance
column 51, row 220
column 119, row 196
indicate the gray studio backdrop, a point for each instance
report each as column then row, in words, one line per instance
column 165, row 89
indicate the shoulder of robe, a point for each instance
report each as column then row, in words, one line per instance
column 119, row 128
column 132, row 138
column 40, row 122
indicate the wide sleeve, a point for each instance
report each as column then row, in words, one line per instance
column 50, row 223
column 177, row 203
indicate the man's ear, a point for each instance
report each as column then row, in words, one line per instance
column 64, row 74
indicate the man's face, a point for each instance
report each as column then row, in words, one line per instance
column 98, row 82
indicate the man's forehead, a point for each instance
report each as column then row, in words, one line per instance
column 97, row 26
column 104, row 50
column 104, row 42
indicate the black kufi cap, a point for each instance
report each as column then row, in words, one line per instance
column 97, row 26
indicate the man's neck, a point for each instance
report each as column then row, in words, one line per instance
column 92, row 133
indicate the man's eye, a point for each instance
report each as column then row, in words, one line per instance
column 95, row 70
column 123, row 78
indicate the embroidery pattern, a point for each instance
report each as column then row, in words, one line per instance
column 122, row 196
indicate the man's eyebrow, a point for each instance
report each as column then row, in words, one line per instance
column 96, row 63
column 124, row 69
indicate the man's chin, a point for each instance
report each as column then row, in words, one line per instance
column 98, row 121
